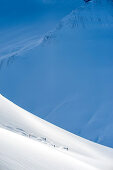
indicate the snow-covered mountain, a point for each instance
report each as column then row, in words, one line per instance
column 30, row 143
column 67, row 78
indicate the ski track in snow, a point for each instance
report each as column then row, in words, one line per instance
column 28, row 142
column 23, row 48
column 32, row 136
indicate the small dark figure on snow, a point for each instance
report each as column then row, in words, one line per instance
column 66, row 148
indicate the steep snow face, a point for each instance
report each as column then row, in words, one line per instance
column 68, row 78
column 22, row 23
column 28, row 142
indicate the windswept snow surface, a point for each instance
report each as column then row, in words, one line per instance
column 30, row 143
column 67, row 79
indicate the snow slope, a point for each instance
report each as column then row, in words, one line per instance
column 23, row 145
column 23, row 22
column 67, row 78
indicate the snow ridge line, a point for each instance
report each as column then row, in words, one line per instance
column 76, row 19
